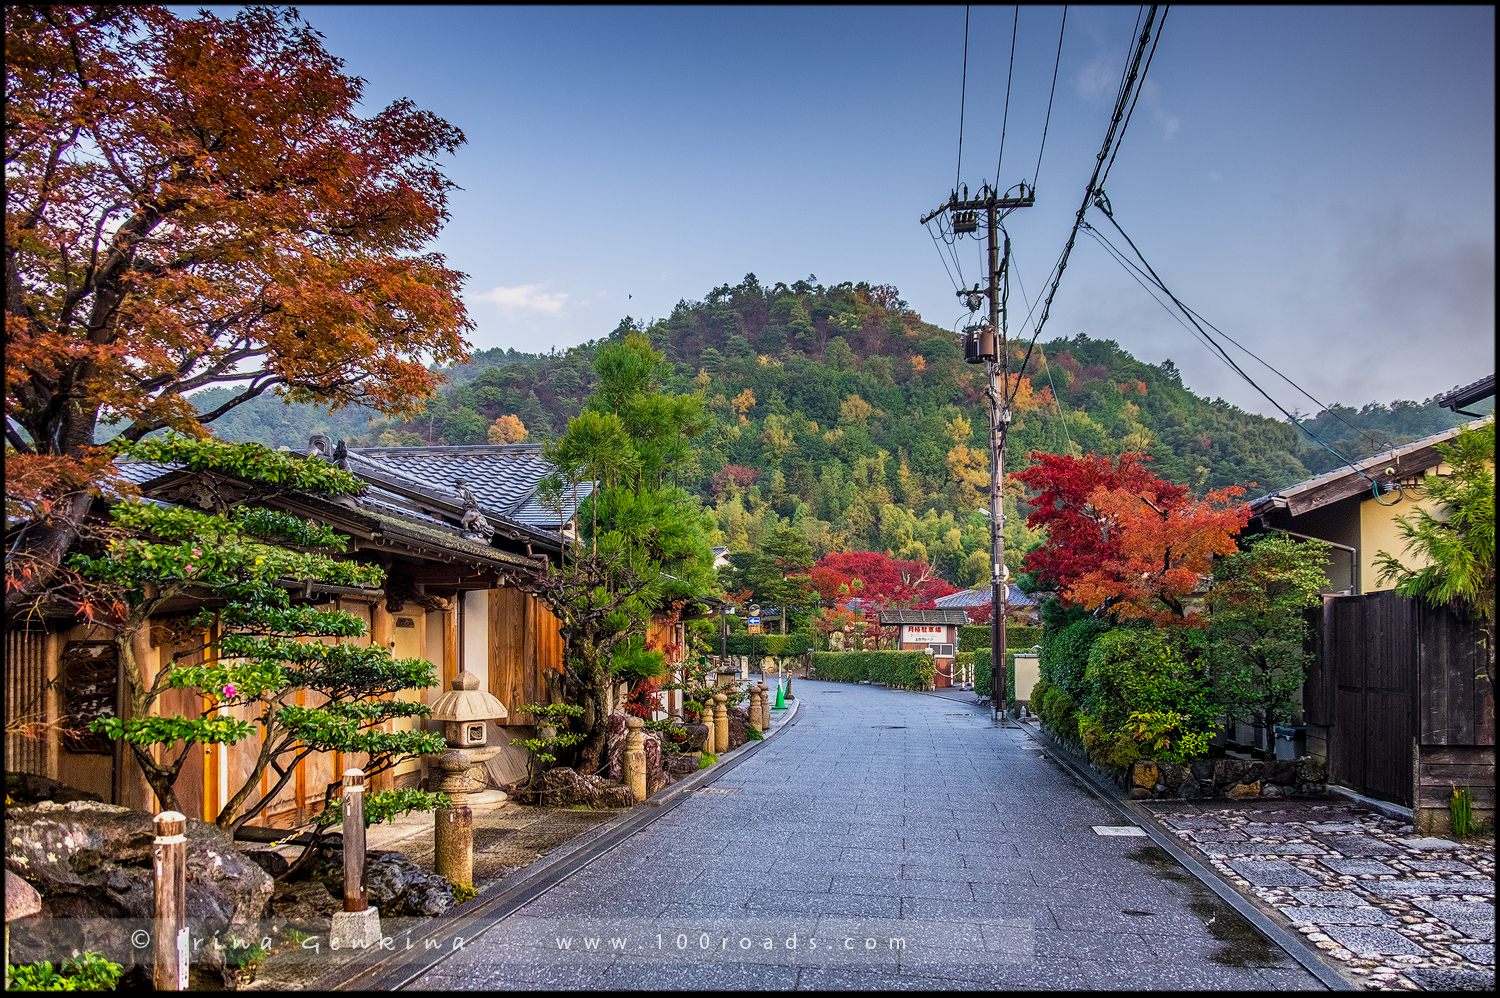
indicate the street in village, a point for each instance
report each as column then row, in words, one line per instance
column 882, row 839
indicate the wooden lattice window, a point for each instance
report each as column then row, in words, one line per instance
column 88, row 672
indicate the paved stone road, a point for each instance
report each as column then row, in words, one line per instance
column 884, row 840
column 1392, row 906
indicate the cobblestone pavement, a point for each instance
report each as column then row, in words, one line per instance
column 884, row 840
column 1398, row 910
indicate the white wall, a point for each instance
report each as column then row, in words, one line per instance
column 474, row 656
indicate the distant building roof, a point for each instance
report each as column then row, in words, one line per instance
column 980, row 597
column 1469, row 394
column 957, row 617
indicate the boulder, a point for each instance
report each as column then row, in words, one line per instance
column 94, row 859
column 29, row 788
column 269, row 860
column 21, row 899
column 1282, row 771
column 564, row 787
column 1140, row 793
column 697, row 734
column 304, row 902
column 1144, row 773
column 1271, row 790
column 679, row 764
column 1172, row 774
column 1203, row 770
column 393, row 883
column 1230, row 771
column 1240, row 791
column 657, row 777
column 1189, row 790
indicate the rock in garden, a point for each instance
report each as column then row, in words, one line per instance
column 1240, row 791
column 393, row 883
column 304, row 901
column 1282, row 771
column 1144, row 773
column 29, row 788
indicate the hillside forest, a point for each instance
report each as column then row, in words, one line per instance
column 838, row 412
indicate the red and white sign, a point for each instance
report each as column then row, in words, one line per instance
column 925, row 634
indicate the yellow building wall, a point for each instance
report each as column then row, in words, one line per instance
column 1379, row 531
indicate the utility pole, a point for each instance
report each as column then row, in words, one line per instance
column 989, row 347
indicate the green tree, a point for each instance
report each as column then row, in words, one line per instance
column 1455, row 534
column 1257, row 626
column 648, row 548
column 251, row 659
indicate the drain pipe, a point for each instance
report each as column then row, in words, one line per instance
column 1353, row 552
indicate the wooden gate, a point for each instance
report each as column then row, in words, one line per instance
column 1370, row 693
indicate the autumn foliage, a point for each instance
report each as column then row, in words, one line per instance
column 194, row 203
column 1122, row 539
column 883, row 581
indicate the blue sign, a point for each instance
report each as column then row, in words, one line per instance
column 755, row 621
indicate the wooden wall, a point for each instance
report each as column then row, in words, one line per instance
column 525, row 643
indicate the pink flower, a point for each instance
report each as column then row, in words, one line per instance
column 197, row 553
column 229, row 691
column 187, row 568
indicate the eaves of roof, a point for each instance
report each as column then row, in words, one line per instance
column 923, row 617
column 1333, row 486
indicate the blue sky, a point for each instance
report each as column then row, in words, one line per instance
column 1318, row 182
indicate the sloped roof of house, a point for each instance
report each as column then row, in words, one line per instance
column 1469, row 394
column 502, row 477
column 924, row 617
column 980, row 597
column 1387, row 467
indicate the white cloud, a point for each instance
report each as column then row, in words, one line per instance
column 529, row 297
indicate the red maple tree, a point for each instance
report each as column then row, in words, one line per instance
column 1121, row 538
column 885, row 581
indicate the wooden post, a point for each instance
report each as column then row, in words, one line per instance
column 721, row 724
column 169, row 851
column 635, row 758
column 355, row 896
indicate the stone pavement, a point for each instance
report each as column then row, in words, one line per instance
column 884, row 840
column 1398, row 910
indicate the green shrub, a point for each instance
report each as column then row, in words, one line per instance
column 973, row 637
column 912, row 670
column 770, row 645
column 1162, row 735
column 752, row 733
column 1056, row 709
column 1065, row 655
column 1149, row 671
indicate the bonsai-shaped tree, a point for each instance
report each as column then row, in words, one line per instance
column 246, row 560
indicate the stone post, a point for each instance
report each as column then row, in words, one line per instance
column 721, row 724
column 172, row 946
column 753, row 705
column 358, row 925
column 706, row 718
column 765, row 707
column 635, row 757
column 453, row 827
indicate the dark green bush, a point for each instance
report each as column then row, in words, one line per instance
column 770, row 645
column 912, row 670
column 1149, row 671
column 1065, row 655
column 973, row 637
column 1056, row 709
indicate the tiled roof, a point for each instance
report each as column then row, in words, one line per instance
column 980, row 597
column 923, row 617
column 503, row 477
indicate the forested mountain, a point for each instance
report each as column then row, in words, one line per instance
column 839, row 411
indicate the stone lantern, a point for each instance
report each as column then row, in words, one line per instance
column 465, row 712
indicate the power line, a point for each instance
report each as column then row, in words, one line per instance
column 1137, row 97
column 1375, row 486
column 1120, row 257
column 1109, row 137
column 1056, row 400
column 1009, row 73
column 1050, row 95
column 962, row 97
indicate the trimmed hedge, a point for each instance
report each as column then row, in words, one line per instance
column 912, row 670
column 982, row 675
column 770, row 645
column 974, row 637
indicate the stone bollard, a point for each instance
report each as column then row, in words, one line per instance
column 721, row 724
column 753, row 706
column 453, row 827
column 635, row 757
column 358, row 925
column 765, row 707
column 706, row 718
column 169, row 853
